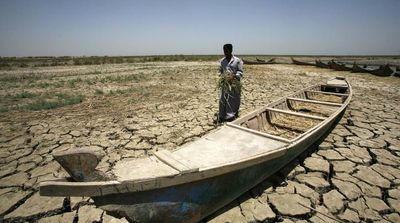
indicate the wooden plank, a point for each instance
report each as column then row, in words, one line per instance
column 333, row 86
column 226, row 145
column 146, row 167
column 296, row 114
column 102, row 188
column 185, row 162
column 173, row 161
column 328, row 93
column 259, row 133
column 314, row 101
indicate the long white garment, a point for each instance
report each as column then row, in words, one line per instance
column 234, row 66
column 229, row 102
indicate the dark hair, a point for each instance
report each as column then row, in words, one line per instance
column 229, row 47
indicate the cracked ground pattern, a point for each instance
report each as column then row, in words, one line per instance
column 133, row 110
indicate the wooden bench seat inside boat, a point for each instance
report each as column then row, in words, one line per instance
column 176, row 162
column 313, row 101
column 311, row 107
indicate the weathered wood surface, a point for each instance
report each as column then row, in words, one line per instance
column 81, row 163
column 220, row 152
column 314, row 101
column 295, row 114
column 176, row 162
column 328, row 93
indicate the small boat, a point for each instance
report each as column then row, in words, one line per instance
column 257, row 62
column 339, row 66
column 383, row 71
column 321, row 64
column 301, row 63
column 357, row 69
column 193, row 181
column 397, row 73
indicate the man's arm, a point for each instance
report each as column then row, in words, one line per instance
column 221, row 70
column 239, row 72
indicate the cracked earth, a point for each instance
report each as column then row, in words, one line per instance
column 352, row 175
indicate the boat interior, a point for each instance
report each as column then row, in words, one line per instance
column 294, row 115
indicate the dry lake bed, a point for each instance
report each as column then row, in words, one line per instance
column 132, row 110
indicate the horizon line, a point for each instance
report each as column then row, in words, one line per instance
column 155, row 55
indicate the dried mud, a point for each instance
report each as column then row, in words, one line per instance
column 352, row 176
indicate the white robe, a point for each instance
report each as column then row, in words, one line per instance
column 229, row 102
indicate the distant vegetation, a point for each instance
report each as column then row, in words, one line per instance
column 8, row 62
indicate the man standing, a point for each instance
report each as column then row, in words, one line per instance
column 229, row 102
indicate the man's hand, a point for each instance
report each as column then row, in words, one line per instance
column 231, row 77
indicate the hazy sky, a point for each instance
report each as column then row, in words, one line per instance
column 150, row 27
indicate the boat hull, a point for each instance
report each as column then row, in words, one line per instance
column 248, row 62
column 302, row 63
column 358, row 69
column 339, row 67
column 383, row 71
column 196, row 200
column 321, row 64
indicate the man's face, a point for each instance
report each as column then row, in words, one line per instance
column 227, row 53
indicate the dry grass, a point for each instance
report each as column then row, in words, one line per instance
column 288, row 126
column 327, row 98
column 228, row 83
column 312, row 109
column 37, row 89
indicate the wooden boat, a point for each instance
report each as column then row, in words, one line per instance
column 197, row 179
column 301, row 63
column 358, row 69
column 321, row 64
column 397, row 73
column 339, row 66
column 249, row 62
column 383, row 71
column 259, row 60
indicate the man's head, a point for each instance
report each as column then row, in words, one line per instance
column 228, row 48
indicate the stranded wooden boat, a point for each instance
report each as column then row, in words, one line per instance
column 259, row 60
column 301, row 63
column 383, row 71
column 397, row 73
column 358, row 69
column 197, row 179
column 321, row 64
column 339, row 67
column 249, row 62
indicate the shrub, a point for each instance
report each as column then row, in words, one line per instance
column 24, row 94
column 62, row 100
column 98, row 92
column 3, row 109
